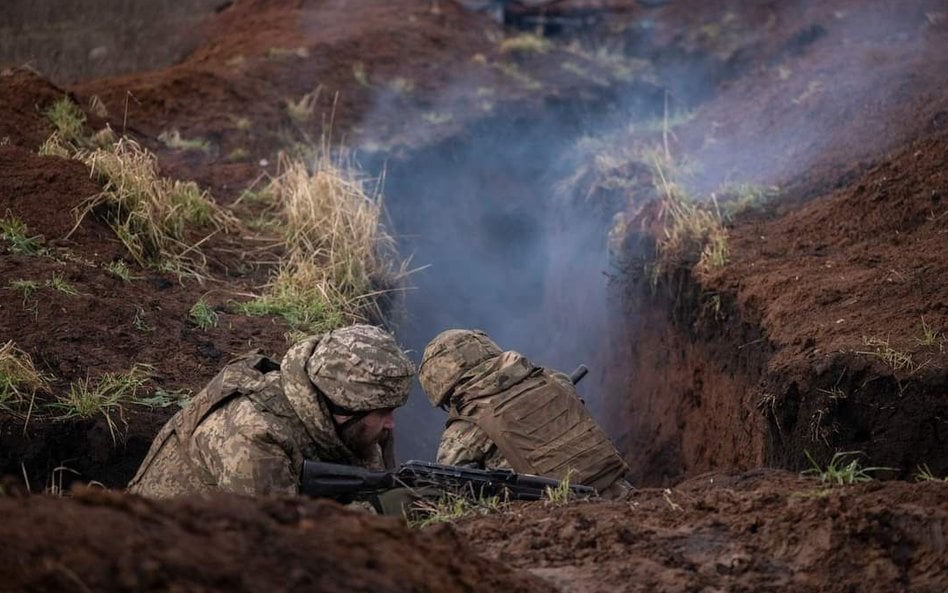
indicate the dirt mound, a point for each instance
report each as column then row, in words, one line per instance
column 389, row 77
column 824, row 332
column 24, row 95
column 879, row 273
column 759, row 531
column 103, row 541
column 860, row 351
column 261, row 58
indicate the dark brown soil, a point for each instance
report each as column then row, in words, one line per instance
column 24, row 95
column 757, row 531
column 102, row 541
column 812, row 337
column 54, row 327
column 392, row 75
column 852, row 367
column 788, row 349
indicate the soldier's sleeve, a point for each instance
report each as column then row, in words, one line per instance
column 245, row 452
column 463, row 443
column 563, row 379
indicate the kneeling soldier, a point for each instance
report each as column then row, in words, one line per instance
column 504, row 411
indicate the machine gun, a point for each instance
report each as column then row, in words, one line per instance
column 346, row 483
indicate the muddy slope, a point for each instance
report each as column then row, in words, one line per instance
column 387, row 76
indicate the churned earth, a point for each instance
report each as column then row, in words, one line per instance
column 761, row 530
column 824, row 330
column 107, row 541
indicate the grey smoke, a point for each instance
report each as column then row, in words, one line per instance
column 509, row 253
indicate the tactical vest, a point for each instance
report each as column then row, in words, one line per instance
column 542, row 427
column 243, row 377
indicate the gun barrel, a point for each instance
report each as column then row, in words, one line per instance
column 578, row 374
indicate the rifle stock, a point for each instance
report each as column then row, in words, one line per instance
column 333, row 480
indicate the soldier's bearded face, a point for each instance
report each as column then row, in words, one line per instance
column 362, row 436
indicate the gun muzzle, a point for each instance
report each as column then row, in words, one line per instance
column 578, row 374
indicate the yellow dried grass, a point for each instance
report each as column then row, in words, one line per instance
column 152, row 215
column 339, row 259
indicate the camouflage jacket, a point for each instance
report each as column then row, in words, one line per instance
column 509, row 413
column 247, row 432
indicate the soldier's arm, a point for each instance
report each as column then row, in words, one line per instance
column 463, row 443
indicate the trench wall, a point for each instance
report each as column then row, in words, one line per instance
column 688, row 402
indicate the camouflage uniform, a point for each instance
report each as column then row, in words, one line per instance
column 463, row 443
column 250, row 428
column 506, row 412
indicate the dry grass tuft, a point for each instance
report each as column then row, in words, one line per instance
column 694, row 233
column 156, row 218
column 302, row 111
column 15, row 232
column 897, row 360
column 67, row 119
column 151, row 215
column 175, row 141
column 106, row 396
column 19, row 380
column 527, row 43
column 451, row 507
column 339, row 260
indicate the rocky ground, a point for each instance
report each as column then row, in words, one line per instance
column 528, row 174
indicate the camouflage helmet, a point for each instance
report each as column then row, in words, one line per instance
column 360, row 368
column 451, row 354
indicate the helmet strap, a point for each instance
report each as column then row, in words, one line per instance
column 341, row 427
column 335, row 410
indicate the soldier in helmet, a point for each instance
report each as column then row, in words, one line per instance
column 248, row 431
column 504, row 411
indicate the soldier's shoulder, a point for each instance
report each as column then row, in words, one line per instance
column 241, row 412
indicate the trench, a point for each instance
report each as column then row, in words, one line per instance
column 503, row 248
